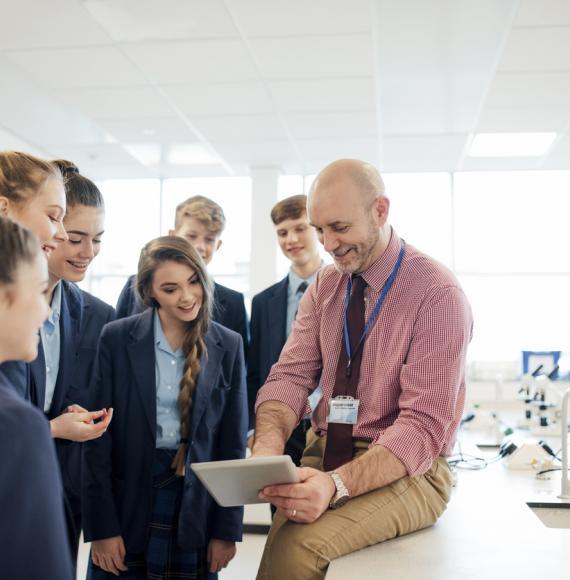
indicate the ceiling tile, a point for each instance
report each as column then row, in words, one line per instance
column 136, row 20
column 338, row 124
column 78, row 67
column 240, row 127
column 499, row 163
column 324, row 95
column 523, row 119
column 530, row 89
column 256, row 152
column 557, row 162
column 537, row 49
column 562, row 147
column 543, row 13
column 226, row 98
column 448, row 147
column 148, row 129
column 194, row 61
column 327, row 150
column 298, row 17
column 315, row 57
column 28, row 24
column 117, row 103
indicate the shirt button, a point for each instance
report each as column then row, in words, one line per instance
column 172, row 434
column 48, row 369
column 168, row 387
column 168, row 410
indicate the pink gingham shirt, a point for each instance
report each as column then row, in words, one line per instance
column 412, row 376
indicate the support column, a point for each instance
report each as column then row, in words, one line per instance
column 263, row 264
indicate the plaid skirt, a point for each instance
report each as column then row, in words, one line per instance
column 163, row 559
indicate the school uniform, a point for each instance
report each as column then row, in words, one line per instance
column 32, row 525
column 229, row 308
column 272, row 314
column 60, row 376
column 129, row 489
column 82, row 319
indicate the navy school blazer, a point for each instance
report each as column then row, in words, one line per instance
column 229, row 308
column 81, row 321
column 117, row 468
column 268, row 336
column 31, row 500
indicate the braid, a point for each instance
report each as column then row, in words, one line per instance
column 193, row 348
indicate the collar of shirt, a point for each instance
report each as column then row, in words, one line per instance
column 55, row 311
column 379, row 271
column 161, row 341
column 295, row 281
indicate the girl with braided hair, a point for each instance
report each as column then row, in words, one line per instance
column 176, row 382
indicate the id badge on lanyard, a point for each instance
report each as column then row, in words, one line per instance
column 343, row 410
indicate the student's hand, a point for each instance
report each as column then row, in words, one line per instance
column 302, row 502
column 219, row 555
column 109, row 554
column 75, row 408
column 80, row 426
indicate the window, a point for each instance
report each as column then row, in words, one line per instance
column 132, row 207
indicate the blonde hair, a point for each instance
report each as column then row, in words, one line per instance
column 203, row 209
column 176, row 249
column 23, row 175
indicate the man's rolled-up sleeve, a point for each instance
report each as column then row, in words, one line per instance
column 432, row 382
column 297, row 372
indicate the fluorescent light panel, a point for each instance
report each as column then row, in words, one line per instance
column 191, row 154
column 511, row 144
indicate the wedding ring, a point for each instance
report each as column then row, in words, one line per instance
column 293, row 513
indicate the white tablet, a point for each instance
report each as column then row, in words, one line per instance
column 238, row 481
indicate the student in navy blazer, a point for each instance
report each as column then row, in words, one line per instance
column 273, row 310
column 31, row 499
column 201, row 221
column 62, row 372
column 137, row 480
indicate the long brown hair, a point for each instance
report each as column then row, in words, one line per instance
column 176, row 249
column 79, row 190
column 18, row 246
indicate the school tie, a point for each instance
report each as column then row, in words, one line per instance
column 299, row 294
column 338, row 450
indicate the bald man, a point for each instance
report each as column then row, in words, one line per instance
column 385, row 330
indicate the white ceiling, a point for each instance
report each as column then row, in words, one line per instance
column 123, row 86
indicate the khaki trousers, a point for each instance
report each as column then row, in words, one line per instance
column 296, row 551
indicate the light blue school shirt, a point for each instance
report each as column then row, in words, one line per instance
column 169, row 370
column 294, row 296
column 51, row 339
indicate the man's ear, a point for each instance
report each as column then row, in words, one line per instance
column 218, row 244
column 4, row 206
column 382, row 207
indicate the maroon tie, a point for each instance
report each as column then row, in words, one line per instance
column 338, row 450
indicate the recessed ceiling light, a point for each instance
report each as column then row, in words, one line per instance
column 511, row 144
column 192, row 154
column 145, row 153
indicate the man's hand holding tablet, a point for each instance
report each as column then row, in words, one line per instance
column 304, row 501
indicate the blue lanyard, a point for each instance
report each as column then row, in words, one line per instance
column 374, row 314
